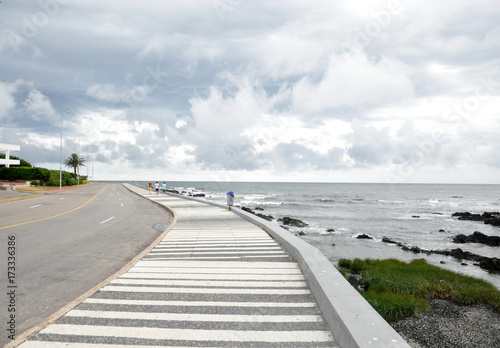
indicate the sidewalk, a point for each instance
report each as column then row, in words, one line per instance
column 215, row 280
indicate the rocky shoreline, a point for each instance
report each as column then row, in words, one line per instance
column 449, row 325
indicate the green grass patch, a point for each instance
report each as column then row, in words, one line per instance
column 397, row 289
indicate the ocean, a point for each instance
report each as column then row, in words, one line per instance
column 412, row 214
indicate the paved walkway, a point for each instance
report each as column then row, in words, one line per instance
column 215, row 280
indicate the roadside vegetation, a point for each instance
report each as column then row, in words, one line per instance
column 397, row 289
column 42, row 178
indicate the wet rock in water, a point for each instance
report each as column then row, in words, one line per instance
column 330, row 230
column 265, row 217
column 262, row 216
column 248, row 210
column 173, row 191
column 259, row 208
column 477, row 237
column 198, row 195
column 441, row 230
column 492, row 218
column 416, row 216
column 387, row 240
column 292, row 222
column 364, row 236
column 301, row 233
column 495, row 221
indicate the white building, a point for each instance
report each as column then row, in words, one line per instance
column 7, row 148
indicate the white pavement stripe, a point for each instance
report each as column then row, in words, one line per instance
column 211, row 283
column 242, row 271
column 43, row 344
column 217, row 252
column 194, row 335
column 200, row 303
column 35, row 206
column 199, row 276
column 220, row 264
column 197, row 317
column 220, row 291
column 111, row 218
column 190, row 257
column 218, row 247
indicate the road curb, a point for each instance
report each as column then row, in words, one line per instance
column 34, row 330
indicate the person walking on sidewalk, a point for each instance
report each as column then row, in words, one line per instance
column 164, row 187
column 157, row 188
column 150, row 186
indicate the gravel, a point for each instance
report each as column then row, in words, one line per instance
column 447, row 324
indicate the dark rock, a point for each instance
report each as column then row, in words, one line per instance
column 416, row 216
column 442, row 262
column 416, row 249
column 364, row 236
column 333, row 244
column 477, row 237
column 265, row 217
column 464, row 264
column 285, row 227
column 259, row 208
column 495, row 221
column 488, row 217
column 248, row 210
column 198, row 195
column 441, row 230
column 387, row 240
column 173, row 191
column 330, row 230
column 301, row 233
column 292, row 222
column 491, row 264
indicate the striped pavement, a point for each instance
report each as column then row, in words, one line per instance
column 215, row 280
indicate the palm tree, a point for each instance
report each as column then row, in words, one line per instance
column 74, row 161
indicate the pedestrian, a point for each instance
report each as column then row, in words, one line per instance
column 157, row 188
column 150, row 186
column 164, row 187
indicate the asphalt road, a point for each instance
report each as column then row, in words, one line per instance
column 74, row 240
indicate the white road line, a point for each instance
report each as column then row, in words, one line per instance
column 202, row 252
column 167, row 290
column 200, row 303
column 198, row 271
column 197, row 335
column 197, row 317
column 199, row 276
column 219, row 264
column 36, row 206
column 211, row 283
column 111, row 218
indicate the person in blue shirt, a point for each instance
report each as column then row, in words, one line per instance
column 164, row 187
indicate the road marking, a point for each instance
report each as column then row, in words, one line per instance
column 196, row 317
column 111, row 218
column 188, row 334
column 54, row 216
column 36, row 206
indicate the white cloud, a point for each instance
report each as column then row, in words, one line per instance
column 7, row 101
column 353, row 80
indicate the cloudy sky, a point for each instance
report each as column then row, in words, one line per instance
column 256, row 90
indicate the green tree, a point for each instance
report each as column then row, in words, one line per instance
column 23, row 163
column 74, row 161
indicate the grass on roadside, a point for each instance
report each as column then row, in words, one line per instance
column 397, row 289
column 36, row 188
